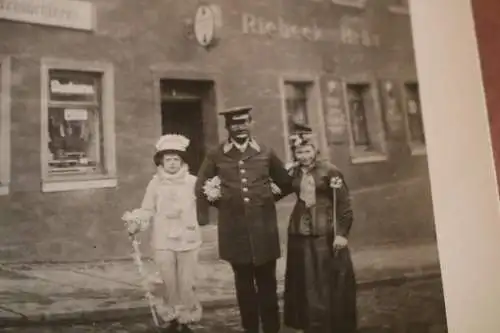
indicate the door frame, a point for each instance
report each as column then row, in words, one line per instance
column 170, row 71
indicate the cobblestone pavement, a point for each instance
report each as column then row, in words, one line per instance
column 413, row 307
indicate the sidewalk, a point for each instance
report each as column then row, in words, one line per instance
column 92, row 292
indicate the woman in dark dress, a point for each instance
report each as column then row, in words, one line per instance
column 320, row 285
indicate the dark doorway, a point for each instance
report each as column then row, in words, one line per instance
column 188, row 107
column 185, row 117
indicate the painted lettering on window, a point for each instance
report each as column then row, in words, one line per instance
column 57, row 87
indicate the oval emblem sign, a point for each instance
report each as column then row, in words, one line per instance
column 204, row 25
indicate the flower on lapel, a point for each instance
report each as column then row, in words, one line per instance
column 211, row 189
column 336, row 182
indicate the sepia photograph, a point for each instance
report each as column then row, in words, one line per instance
column 214, row 166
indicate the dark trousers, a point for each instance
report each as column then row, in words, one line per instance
column 256, row 292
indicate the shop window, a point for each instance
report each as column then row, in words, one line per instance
column 4, row 125
column 367, row 137
column 400, row 7
column 413, row 116
column 78, row 135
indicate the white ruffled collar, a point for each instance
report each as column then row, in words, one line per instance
column 179, row 176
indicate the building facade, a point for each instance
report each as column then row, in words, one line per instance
column 87, row 88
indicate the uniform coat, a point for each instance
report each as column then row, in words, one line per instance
column 247, row 229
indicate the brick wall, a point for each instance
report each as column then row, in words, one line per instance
column 392, row 198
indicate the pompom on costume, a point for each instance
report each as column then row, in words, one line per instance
column 169, row 206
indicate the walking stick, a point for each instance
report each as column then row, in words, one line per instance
column 338, row 276
column 334, row 218
column 136, row 254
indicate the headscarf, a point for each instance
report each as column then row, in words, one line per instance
column 303, row 136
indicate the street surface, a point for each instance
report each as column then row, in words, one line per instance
column 413, row 307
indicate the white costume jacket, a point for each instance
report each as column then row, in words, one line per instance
column 170, row 204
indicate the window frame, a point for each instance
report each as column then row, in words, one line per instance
column 315, row 114
column 381, row 154
column 361, row 4
column 415, row 149
column 5, row 124
column 80, row 182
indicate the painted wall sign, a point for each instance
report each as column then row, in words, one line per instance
column 335, row 117
column 346, row 33
column 205, row 24
column 60, row 13
column 71, row 88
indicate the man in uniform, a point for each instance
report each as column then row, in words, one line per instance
column 248, row 229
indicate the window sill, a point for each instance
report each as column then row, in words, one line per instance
column 372, row 157
column 4, row 189
column 351, row 3
column 418, row 150
column 402, row 10
column 77, row 184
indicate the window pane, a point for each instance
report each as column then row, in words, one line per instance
column 74, row 140
column 296, row 90
column 415, row 123
column 73, row 86
column 296, row 104
column 357, row 97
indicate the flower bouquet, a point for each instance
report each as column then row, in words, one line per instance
column 136, row 220
column 212, row 189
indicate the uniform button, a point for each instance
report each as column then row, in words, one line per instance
column 243, row 171
column 245, row 189
column 244, row 180
column 246, row 199
column 241, row 162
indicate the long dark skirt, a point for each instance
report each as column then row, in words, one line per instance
column 320, row 287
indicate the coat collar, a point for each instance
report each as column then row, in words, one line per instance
column 180, row 176
column 230, row 145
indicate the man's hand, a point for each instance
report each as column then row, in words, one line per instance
column 290, row 165
column 275, row 188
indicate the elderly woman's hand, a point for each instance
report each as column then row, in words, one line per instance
column 339, row 242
